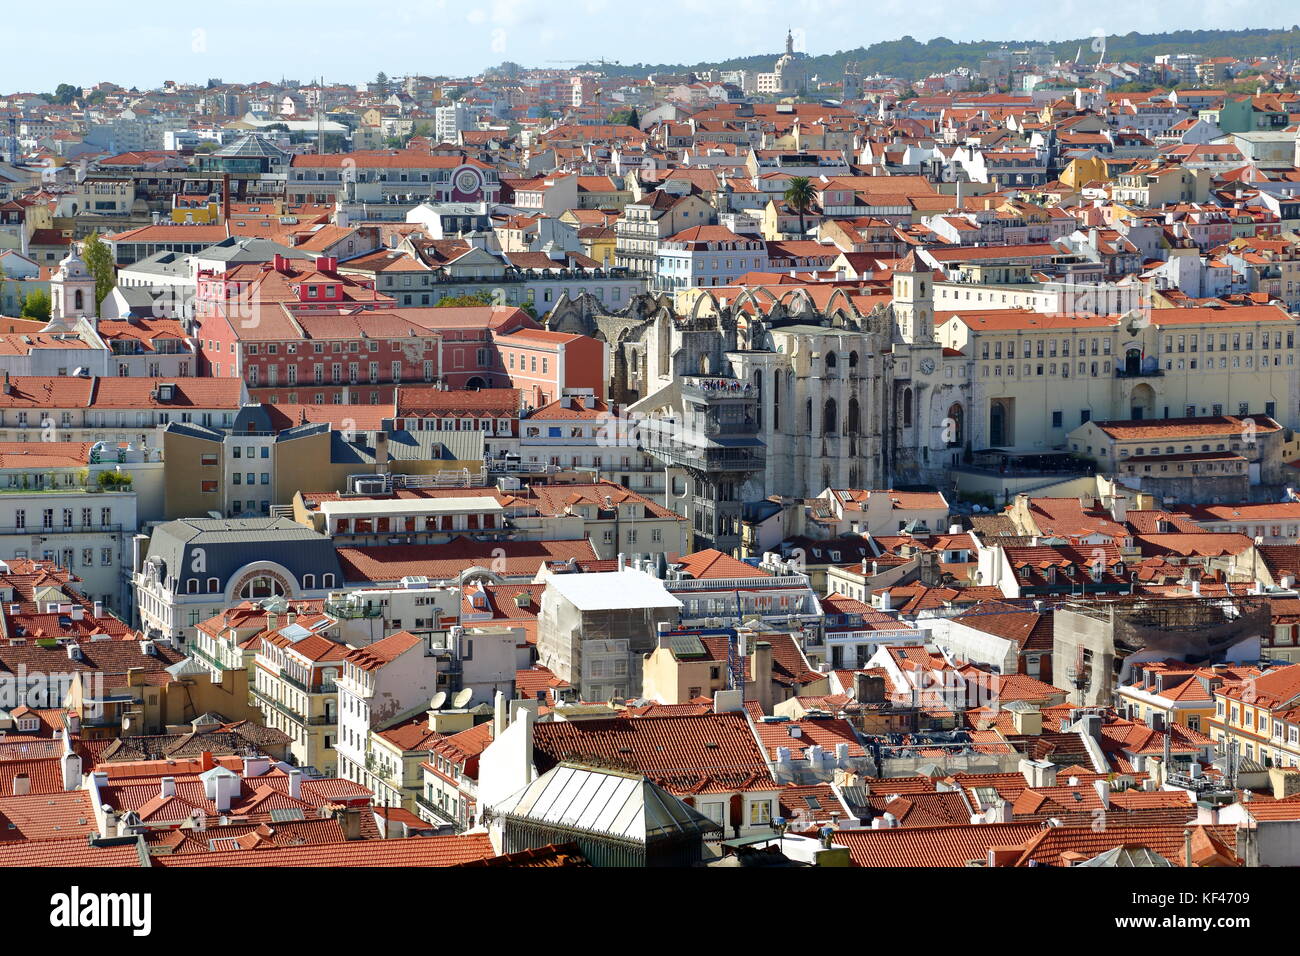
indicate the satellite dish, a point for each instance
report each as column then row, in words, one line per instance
column 463, row 697
column 439, row 699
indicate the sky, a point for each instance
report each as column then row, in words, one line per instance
column 144, row 43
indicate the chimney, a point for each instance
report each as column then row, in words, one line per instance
column 71, row 771
column 72, row 722
column 222, row 791
column 815, row 755
column 1038, row 773
column 1102, row 787
column 205, row 761
column 929, row 568
column 256, row 766
column 727, row 702
column 761, row 674
column 295, row 784
column 349, row 821
column 886, row 600
column 500, row 715
column 167, row 788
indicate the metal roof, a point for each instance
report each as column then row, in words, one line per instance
column 613, row 590
column 1135, row 856
column 621, row 805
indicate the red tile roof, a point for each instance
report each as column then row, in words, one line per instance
column 685, row 755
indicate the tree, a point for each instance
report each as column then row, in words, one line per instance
column 65, row 93
column 99, row 261
column 381, row 78
column 36, row 305
column 799, row 196
column 463, row 301
column 627, row 117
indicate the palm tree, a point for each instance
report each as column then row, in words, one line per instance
column 799, row 196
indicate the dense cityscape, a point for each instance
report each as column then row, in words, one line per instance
column 578, row 466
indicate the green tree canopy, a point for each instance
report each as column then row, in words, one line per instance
column 463, row 301
column 36, row 305
column 799, row 196
column 99, row 260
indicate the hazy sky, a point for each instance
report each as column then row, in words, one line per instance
column 145, row 42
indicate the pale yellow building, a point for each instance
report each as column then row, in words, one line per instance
column 1029, row 379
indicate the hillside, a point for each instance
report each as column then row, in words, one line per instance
column 912, row 59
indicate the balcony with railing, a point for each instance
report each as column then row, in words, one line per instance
column 438, row 813
column 323, row 687
column 349, row 611
column 721, row 454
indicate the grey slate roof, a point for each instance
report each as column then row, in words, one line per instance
column 230, row 544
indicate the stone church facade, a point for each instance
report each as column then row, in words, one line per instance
column 832, row 397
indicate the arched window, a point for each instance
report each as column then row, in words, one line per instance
column 78, row 301
column 854, row 417
column 831, row 360
column 192, row 586
column 808, row 415
column 829, row 417
column 907, row 408
column 262, row 586
column 309, row 581
column 327, row 581
column 213, row 585
column 853, row 359
column 956, row 425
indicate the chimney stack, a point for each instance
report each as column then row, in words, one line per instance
column 761, row 674
column 500, row 718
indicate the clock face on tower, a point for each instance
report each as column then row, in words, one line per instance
column 467, row 181
column 926, row 365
